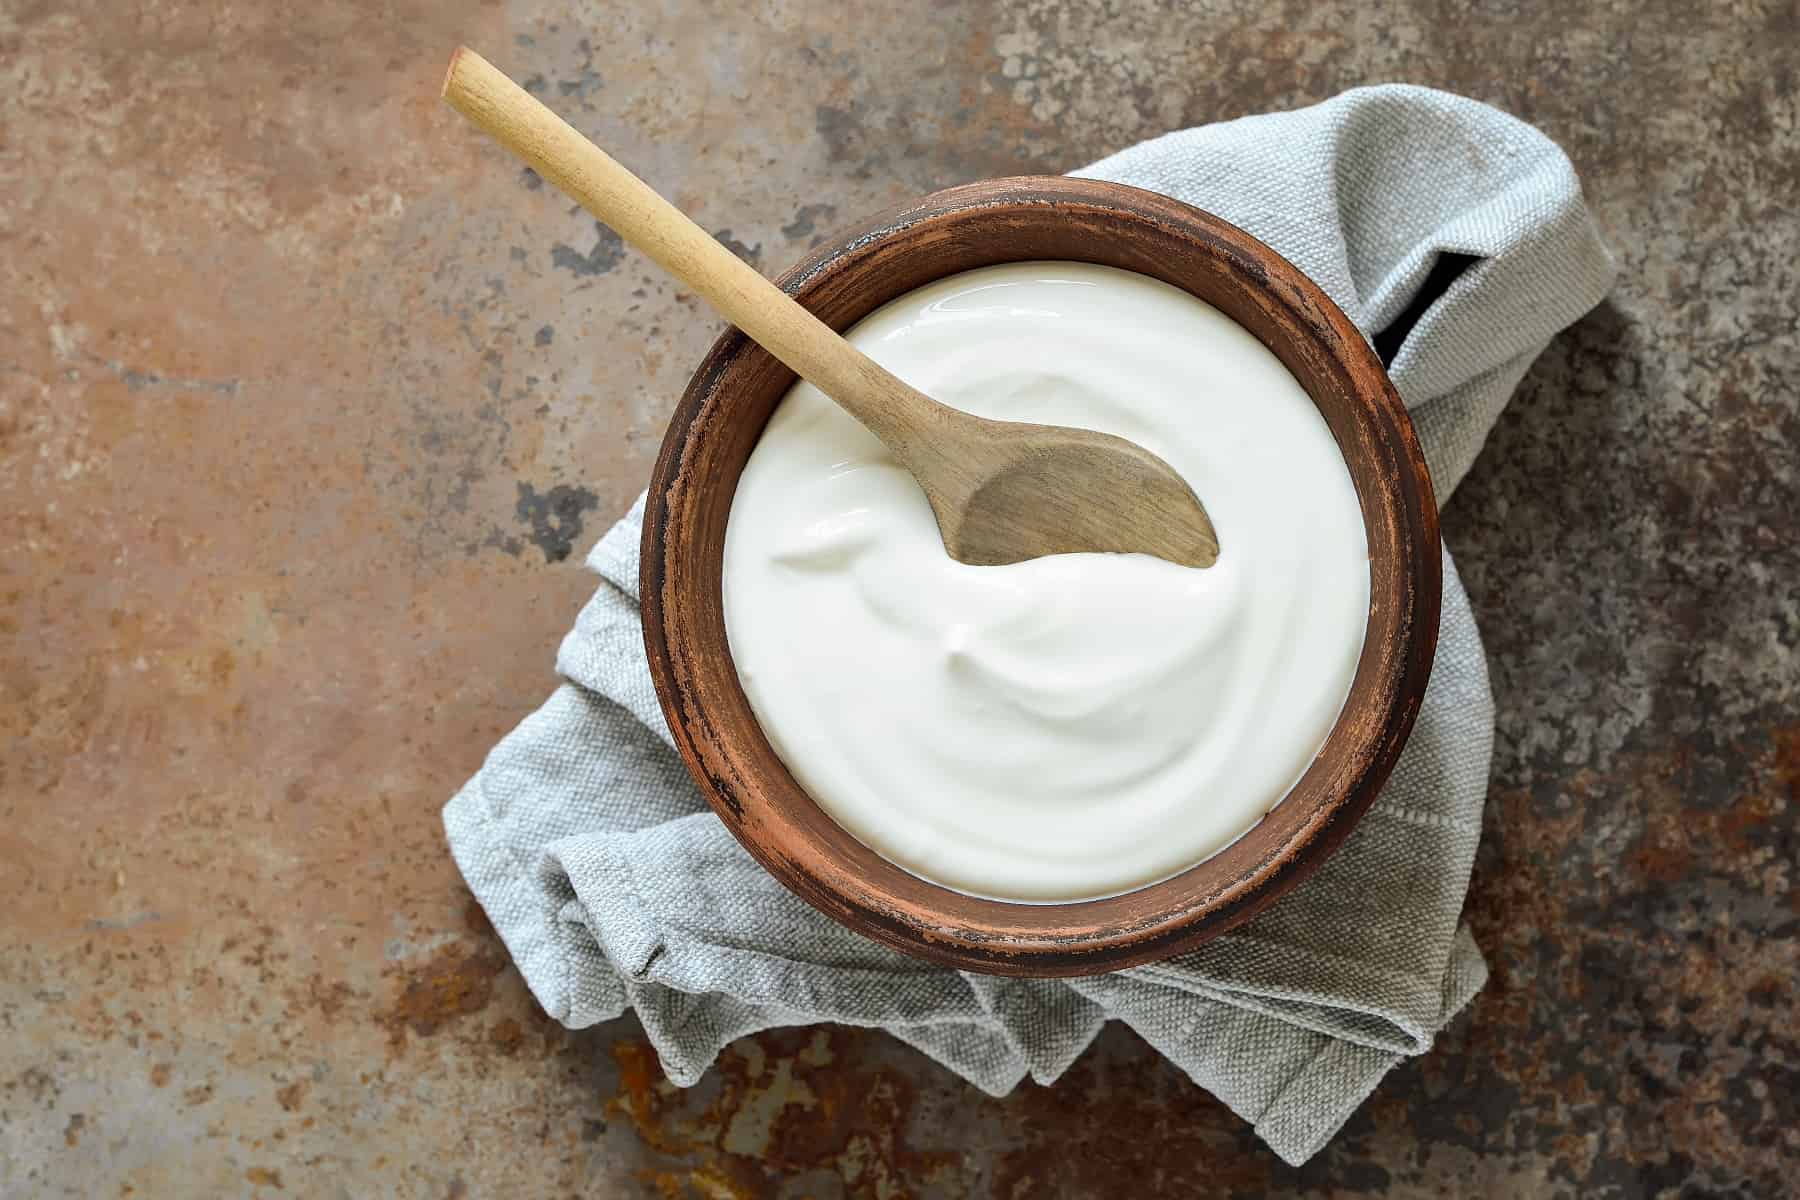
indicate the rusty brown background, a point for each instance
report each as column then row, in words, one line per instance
column 310, row 401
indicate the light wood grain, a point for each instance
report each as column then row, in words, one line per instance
column 1002, row 491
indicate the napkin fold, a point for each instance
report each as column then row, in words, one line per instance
column 1456, row 238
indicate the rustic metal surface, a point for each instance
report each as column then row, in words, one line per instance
column 309, row 401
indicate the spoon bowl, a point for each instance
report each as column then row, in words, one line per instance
column 1064, row 485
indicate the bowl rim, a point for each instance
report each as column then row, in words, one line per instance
column 766, row 809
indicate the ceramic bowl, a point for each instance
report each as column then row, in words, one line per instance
column 723, row 413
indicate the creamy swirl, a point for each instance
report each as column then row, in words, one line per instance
column 1073, row 726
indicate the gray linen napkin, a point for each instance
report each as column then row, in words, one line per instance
column 614, row 886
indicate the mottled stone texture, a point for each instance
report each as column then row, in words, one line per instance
column 310, row 401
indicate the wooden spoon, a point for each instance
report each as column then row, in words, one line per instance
column 1002, row 491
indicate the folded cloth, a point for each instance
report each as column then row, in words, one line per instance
column 614, row 886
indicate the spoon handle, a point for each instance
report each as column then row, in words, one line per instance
column 509, row 114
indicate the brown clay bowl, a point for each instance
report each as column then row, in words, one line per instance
column 720, row 418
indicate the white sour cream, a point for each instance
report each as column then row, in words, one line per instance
column 1074, row 726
